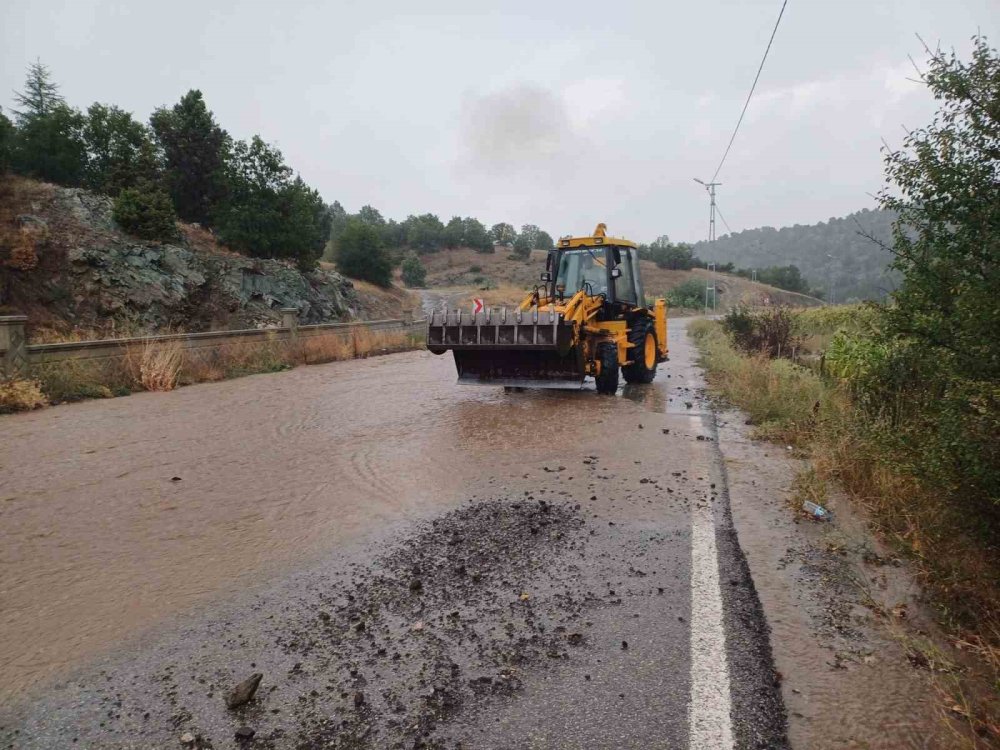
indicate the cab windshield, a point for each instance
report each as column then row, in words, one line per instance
column 582, row 268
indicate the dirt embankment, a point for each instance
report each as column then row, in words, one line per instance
column 66, row 264
column 505, row 279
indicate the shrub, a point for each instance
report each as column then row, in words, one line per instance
column 767, row 331
column 21, row 395
column 690, row 294
column 146, row 212
column 360, row 255
column 414, row 273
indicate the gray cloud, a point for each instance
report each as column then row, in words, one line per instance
column 522, row 129
column 539, row 115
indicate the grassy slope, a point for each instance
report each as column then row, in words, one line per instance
column 510, row 278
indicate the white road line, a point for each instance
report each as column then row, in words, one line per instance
column 709, row 721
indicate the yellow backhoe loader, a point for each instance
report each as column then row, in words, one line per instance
column 587, row 318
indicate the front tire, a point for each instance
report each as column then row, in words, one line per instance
column 644, row 353
column 607, row 377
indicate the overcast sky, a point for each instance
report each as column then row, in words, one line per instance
column 560, row 114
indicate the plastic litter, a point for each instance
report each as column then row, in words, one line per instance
column 816, row 511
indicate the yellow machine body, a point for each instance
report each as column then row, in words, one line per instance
column 589, row 301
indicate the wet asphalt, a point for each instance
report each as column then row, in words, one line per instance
column 581, row 586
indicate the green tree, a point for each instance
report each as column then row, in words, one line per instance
column 946, row 192
column 40, row 96
column 475, row 235
column 120, row 150
column 48, row 142
column 544, row 241
column 195, row 152
column 371, row 216
column 939, row 362
column 360, row 255
column 393, row 234
column 454, row 232
column 503, row 233
column 6, row 141
column 338, row 219
column 50, row 146
column 414, row 273
column 268, row 213
column 424, row 232
column 146, row 212
column 784, row 277
column 524, row 243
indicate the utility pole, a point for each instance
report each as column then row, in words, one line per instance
column 710, row 187
column 829, row 280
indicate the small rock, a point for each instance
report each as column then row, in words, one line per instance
column 175, row 479
column 187, row 739
column 624, row 645
column 244, row 734
column 359, row 699
column 243, row 692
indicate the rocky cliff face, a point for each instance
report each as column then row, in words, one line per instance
column 89, row 272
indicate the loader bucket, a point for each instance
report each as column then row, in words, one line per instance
column 530, row 349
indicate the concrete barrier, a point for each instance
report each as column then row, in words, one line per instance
column 17, row 356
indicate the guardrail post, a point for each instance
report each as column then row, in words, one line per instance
column 290, row 320
column 13, row 346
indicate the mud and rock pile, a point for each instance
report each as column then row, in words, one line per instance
column 440, row 623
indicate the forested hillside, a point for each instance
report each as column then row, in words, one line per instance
column 836, row 250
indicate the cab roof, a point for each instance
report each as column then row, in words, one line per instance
column 598, row 238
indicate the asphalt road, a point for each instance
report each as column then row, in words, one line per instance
column 408, row 562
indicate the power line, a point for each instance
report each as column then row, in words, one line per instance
column 723, row 218
column 754, row 86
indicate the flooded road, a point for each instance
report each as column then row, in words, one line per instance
column 579, row 582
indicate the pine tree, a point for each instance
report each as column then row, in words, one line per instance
column 40, row 96
column 195, row 151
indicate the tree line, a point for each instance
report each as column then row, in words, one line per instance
column 367, row 245
column 839, row 259
column 183, row 165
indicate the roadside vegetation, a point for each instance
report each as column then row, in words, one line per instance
column 163, row 365
column 900, row 403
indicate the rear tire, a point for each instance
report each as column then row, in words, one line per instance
column 607, row 378
column 643, row 367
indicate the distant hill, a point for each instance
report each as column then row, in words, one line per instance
column 503, row 279
column 858, row 267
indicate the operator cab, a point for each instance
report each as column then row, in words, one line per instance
column 609, row 271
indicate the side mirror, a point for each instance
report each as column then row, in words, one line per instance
column 617, row 255
column 546, row 276
column 616, row 273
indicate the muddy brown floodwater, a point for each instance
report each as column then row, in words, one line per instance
column 117, row 514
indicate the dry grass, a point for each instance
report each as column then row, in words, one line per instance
column 164, row 365
column 21, row 395
column 155, row 365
